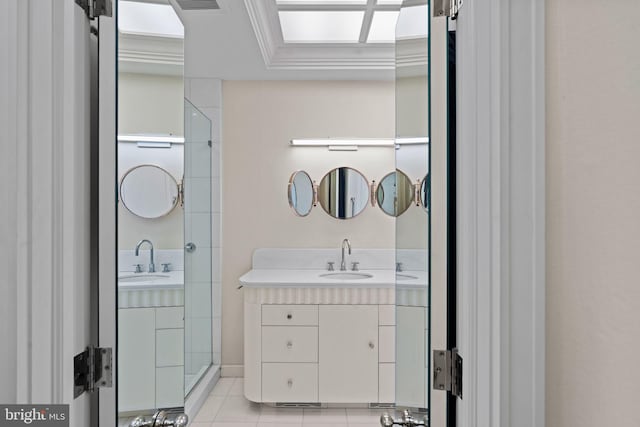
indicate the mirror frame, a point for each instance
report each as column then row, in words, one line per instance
column 366, row 181
column 176, row 202
column 379, row 186
column 314, row 196
column 425, row 204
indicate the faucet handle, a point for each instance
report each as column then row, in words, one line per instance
column 138, row 268
column 165, row 267
column 330, row 265
column 354, row 266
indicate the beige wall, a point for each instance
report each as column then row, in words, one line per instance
column 593, row 213
column 150, row 104
column 259, row 119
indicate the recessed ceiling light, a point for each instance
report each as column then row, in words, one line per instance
column 383, row 27
column 390, row 2
column 321, row 26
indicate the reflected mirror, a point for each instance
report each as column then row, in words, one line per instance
column 395, row 193
column 343, row 193
column 425, row 192
column 149, row 191
column 301, row 193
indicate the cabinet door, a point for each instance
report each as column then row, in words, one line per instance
column 348, row 346
column 136, row 359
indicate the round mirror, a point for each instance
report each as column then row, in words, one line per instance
column 425, row 192
column 301, row 193
column 343, row 193
column 149, row 191
column 395, row 193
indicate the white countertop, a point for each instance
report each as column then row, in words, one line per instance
column 130, row 281
column 292, row 278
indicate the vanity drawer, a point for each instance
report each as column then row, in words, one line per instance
column 289, row 344
column 282, row 315
column 289, row 382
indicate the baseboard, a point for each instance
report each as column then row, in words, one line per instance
column 233, row 371
column 198, row 395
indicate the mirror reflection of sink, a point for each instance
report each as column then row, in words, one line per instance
column 141, row 277
column 346, row 276
column 400, row 276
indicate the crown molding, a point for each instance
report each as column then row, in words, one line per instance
column 278, row 55
column 150, row 54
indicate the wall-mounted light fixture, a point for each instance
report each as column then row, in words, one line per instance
column 352, row 144
column 152, row 141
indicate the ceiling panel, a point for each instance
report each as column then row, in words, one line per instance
column 383, row 27
column 321, row 26
column 149, row 19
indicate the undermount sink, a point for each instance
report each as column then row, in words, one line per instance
column 400, row 276
column 347, row 276
column 142, row 277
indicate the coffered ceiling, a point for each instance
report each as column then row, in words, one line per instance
column 281, row 39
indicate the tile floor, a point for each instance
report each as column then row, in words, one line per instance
column 227, row 407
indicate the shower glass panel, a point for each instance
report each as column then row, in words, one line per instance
column 413, row 226
column 198, row 300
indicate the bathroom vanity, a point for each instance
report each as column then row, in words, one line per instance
column 151, row 335
column 318, row 336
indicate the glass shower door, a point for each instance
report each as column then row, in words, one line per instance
column 198, row 248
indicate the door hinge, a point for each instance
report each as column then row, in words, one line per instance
column 449, row 8
column 96, row 8
column 92, row 369
column 447, row 371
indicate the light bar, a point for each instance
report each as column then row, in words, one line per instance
column 141, row 144
column 413, row 141
column 336, row 142
column 151, row 138
column 354, row 143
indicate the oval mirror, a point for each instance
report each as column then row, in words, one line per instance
column 425, row 192
column 301, row 193
column 343, row 193
column 395, row 193
column 149, row 191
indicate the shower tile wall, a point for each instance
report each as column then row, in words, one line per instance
column 206, row 95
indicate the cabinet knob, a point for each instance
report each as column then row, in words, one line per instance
column 289, row 344
column 289, row 316
column 372, row 345
column 290, row 383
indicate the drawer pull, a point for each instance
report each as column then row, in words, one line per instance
column 372, row 345
column 290, row 383
column 289, row 316
column 289, row 344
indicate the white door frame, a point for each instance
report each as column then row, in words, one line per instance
column 107, row 207
column 45, row 245
column 501, row 212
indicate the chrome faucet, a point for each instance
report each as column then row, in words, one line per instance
column 152, row 266
column 343, row 264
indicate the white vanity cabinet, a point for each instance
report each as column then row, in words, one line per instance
column 319, row 351
column 150, row 358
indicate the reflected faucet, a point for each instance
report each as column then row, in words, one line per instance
column 343, row 264
column 152, row 266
